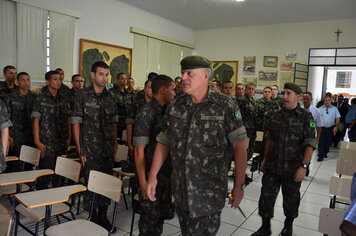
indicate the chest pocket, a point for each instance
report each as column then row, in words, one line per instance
column 92, row 110
column 212, row 128
column 49, row 108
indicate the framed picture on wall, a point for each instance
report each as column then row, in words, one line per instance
column 267, row 77
column 118, row 58
column 270, row 61
column 225, row 71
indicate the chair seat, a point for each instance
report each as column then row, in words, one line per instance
column 77, row 227
column 38, row 213
column 11, row 189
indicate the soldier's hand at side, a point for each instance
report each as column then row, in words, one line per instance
column 151, row 189
column 11, row 141
column 42, row 148
column 236, row 198
column 262, row 166
column 83, row 160
column 143, row 188
column 131, row 151
column 300, row 174
column 67, row 144
column 335, row 130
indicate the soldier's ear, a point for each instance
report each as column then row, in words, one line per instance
column 92, row 75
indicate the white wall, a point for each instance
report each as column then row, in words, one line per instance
column 331, row 82
column 274, row 40
column 109, row 21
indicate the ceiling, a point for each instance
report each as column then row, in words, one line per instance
column 212, row 14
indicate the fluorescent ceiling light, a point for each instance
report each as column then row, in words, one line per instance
column 240, row 0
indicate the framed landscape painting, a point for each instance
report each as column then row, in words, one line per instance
column 118, row 58
column 270, row 61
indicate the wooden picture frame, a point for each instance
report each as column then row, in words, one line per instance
column 270, row 61
column 118, row 58
column 225, row 71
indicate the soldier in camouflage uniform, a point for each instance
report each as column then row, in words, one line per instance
column 148, row 125
column 94, row 122
column 275, row 98
column 239, row 90
column 77, row 84
column 290, row 141
column 247, row 105
column 8, row 86
column 64, row 89
column 51, row 127
column 264, row 109
column 19, row 106
column 5, row 123
column 121, row 99
column 131, row 87
column 198, row 129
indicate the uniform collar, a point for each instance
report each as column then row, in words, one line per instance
column 91, row 88
column 211, row 97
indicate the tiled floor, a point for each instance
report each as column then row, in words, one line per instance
column 314, row 192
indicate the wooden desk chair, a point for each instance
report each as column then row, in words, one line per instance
column 347, row 154
column 124, row 174
column 27, row 155
column 66, row 168
column 5, row 221
column 99, row 183
column 347, row 145
column 339, row 190
column 122, row 153
column 330, row 221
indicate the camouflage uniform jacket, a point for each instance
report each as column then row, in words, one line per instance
column 199, row 137
column 71, row 96
column 95, row 113
column 290, row 131
column 264, row 110
column 248, row 112
column 278, row 101
column 19, row 108
column 121, row 98
column 148, row 125
column 4, row 89
column 53, row 113
column 64, row 90
column 4, row 123
column 137, row 103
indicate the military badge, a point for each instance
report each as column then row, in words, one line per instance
column 238, row 115
column 312, row 124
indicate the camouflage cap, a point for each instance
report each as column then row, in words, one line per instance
column 195, row 62
column 294, row 87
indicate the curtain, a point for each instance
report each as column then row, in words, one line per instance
column 62, row 43
column 8, row 33
column 139, row 59
column 31, row 40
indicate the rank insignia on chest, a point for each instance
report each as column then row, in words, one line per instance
column 312, row 124
column 238, row 115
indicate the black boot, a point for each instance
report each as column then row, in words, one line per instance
column 265, row 229
column 103, row 220
column 288, row 227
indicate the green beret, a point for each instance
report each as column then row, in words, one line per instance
column 294, row 87
column 195, row 62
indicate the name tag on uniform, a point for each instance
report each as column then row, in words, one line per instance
column 47, row 105
column 203, row 117
column 92, row 105
column 178, row 115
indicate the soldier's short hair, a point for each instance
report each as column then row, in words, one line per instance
column 118, row 75
column 239, row 84
column 97, row 64
column 9, row 67
column 21, row 74
column 131, row 79
column 151, row 76
column 75, row 75
column 275, row 86
column 252, row 84
column 267, row 87
column 59, row 69
column 228, row 82
column 161, row 81
column 49, row 74
column 217, row 82
column 309, row 93
column 146, row 82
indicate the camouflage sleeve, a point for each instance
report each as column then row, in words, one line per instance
column 113, row 116
column 309, row 131
column 36, row 109
column 4, row 116
column 162, row 137
column 143, row 125
column 130, row 118
column 267, row 132
column 233, row 123
column 78, row 109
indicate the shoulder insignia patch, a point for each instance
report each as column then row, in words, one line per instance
column 312, row 124
column 238, row 115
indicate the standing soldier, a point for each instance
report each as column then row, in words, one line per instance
column 8, row 86
column 290, row 141
column 131, row 86
column 198, row 130
column 94, row 122
column 264, row 108
column 19, row 106
column 121, row 96
column 5, row 123
column 77, row 83
column 275, row 98
column 148, row 124
column 51, row 126
column 239, row 90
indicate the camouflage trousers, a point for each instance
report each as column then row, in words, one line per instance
column 49, row 162
column 154, row 213
column 101, row 164
column 197, row 226
column 270, row 189
column 251, row 134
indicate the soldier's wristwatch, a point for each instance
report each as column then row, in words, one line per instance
column 304, row 166
column 240, row 186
